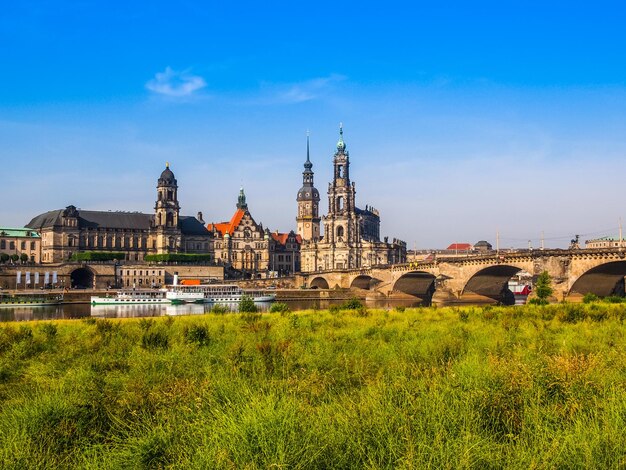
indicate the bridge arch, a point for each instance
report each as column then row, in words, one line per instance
column 83, row 278
column 365, row 282
column 602, row 280
column 492, row 282
column 319, row 283
column 419, row 284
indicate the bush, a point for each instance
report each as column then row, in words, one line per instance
column 614, row 299
column 220, row 309
column 247, row 305
column 589, row 297
column 98, row 256
column 198, row 334
column 178, row 257
column 154, row 340
column 279, row 307
column 352, row 304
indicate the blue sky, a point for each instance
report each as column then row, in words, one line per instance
column 461, row 119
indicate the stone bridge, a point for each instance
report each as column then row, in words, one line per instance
column 573, row 272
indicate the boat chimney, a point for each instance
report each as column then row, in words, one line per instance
column 175, row 279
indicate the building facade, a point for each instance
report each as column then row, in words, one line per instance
column 241, row 242
column 605, row 242
column 351, row 236
column 68, row 231
column 20, row 244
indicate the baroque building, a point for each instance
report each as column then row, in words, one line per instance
column 246, row 246
column 65, row 232
column 351, row 236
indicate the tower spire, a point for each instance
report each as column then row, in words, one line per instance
column 341, row 145
column 307, row 146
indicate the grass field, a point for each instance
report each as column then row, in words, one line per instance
column 515, row 387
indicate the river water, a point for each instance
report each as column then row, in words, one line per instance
column 76, row 311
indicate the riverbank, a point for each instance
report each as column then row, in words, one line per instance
column 474, row 387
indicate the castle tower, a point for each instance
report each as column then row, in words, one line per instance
column 308, row 219
column 168, row 234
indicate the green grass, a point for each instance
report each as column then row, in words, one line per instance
column 494, row 387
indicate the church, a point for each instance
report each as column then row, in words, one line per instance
column 350, row 238
column 134, row 234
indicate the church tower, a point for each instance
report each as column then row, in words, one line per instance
column 308, row 219
column 168, row 234
column 341, row 224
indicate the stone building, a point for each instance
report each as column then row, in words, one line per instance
column 241, row 242
column 285, row 253
column 605, row 242
column 351, row 236
column 135, row 234
column 25, row 243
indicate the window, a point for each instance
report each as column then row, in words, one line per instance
column 3, row 244
column 23, row 245
column 339, row 231
column 11, row 245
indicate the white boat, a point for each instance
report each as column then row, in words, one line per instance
column 126, row 297
column 215, row 293
column 34, row 300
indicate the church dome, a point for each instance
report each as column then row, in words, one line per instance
column 308, row 193
column 167, row 177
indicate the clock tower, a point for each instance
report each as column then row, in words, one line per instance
column 308, row 218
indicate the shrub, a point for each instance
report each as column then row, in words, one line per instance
column 571, row 313
column 220, row 309
column 49, row 329
column 279, row 307
column 537, row 301
column 98, row 256
column 352, row 304
column 614, row 299
column 247, row 305
column 155, row 340
column 198, row 334
column 400, row 309
column 178, row 257
column 589, row 297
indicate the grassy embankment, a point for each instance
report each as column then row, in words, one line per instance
column 530, row 387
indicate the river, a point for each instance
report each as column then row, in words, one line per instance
column 76, row 311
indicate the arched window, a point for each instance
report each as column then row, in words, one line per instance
column 169, row 218
column 340, row 203
column 340, row 232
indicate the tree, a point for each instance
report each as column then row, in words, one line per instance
column 4, row 257
column 23, row 257
column 14, row 258
column 543, row 289
column 247, row 305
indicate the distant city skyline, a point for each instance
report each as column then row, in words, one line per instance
column 461, row 120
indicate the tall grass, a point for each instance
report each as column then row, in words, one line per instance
column 530, row 387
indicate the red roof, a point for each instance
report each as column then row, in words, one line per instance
column 228, row 227
column 460, row 247
column 282, row 238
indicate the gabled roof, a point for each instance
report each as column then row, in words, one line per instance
column 460, row 246
column 228, row 227
column 282, row 238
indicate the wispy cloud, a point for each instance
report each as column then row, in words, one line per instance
column 293, row 93
column 175, row 84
